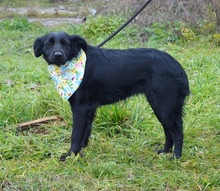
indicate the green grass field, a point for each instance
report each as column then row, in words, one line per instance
column 121, row 154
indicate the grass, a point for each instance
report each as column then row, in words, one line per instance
column 122, row 151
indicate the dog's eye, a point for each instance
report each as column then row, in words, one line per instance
column 49, row 43
column 65, row 43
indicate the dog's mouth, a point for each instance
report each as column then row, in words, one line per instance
column 58, row 62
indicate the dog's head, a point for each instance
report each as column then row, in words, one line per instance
column 58, row 47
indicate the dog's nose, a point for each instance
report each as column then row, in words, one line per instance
column 58, row 55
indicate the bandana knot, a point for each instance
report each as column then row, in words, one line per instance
column 68, row 77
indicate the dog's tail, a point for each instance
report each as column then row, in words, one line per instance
column 184, row 89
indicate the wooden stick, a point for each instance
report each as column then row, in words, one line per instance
column 37, row 122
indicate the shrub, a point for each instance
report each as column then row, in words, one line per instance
column 169, row 32
column 216, row 39
column 101, row 26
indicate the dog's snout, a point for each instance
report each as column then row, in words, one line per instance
column 58, row 55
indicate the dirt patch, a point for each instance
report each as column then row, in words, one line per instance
column 51, row 22
column 41, row 11
column 51, row 16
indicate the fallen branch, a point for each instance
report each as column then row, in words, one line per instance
column 37, row 122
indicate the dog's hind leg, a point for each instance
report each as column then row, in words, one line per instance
column 168, row 143
column 173, row 129
column 167, row 106
column 177, row 135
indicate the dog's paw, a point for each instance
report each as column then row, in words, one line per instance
column 162, row 151
column 63, row 157
column 174, row 157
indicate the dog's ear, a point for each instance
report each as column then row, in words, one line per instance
column 79, row 42
column 38, row 47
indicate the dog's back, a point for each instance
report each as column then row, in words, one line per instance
column 113, row 75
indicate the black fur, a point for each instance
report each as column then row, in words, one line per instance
column 113, row 75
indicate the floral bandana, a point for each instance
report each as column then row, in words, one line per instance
column 68, row 77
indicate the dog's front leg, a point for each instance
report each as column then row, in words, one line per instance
column 78, row 132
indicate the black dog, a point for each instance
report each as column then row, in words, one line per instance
column 113, row 75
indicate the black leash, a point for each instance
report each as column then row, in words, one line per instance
column 125, row 24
